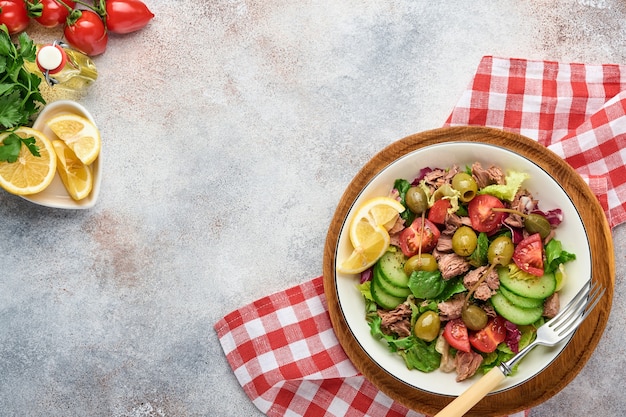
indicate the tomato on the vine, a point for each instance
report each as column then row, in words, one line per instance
column 87, row 33
column 483, row 218
column 528, row 255
column 53, row 13
column 14, row 15
column 487, row 339
column 414, row 237
column 456, row 335
column 125, row 16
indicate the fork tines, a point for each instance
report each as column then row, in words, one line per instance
column 578, row 309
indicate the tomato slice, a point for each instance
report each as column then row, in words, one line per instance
column 483, row 218
column 439, row 210
column 456, row 335
column 413, row 236
column 487, row 339
column 528, row 255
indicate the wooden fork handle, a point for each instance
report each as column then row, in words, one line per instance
column 473, row 394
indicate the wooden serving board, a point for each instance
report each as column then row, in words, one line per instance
column 567, row 365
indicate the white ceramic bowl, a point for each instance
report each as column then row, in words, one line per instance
column 55, row 195
column 544, row 188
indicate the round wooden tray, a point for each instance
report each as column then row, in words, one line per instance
column 567, row 365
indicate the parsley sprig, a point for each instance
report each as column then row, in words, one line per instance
column 20, row 97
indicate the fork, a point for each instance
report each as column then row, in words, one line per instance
column 551, row 333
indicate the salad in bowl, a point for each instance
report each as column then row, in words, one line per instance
column 472, row 267
column 446, row 252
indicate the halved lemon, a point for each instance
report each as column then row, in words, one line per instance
column 82, row 136
column 371, row 248
column 377, row 211
column 76, row 176
column 30, row 174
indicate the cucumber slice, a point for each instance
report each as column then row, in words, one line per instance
column 391, row 267
column 388, row 287
column 518, row 300
column 540, row 287
column 382, row 298
column 513, row 313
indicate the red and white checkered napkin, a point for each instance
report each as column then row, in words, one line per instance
column 576, row 110
column 282, row 348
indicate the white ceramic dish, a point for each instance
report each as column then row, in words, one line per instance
column 544, row 188
column 55, row 195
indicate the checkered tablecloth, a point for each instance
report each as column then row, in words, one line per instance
column 282, row 348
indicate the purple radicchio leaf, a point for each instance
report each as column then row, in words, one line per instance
column 513, row 336
column 366, row 275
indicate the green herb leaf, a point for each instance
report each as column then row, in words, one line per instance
column 11, row 148
column 12, row 144
column 20, row 97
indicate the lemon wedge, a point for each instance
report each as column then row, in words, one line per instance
column 377, row 211
column 76, row 176
column 30, row 174
column 367, row 253
column 80, row 135
column 369, row 233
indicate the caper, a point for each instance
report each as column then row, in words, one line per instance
column 466, row 185
column 416, row 200
column 421, row 262
column 500, row 250
column 536, row 223
column 427, row 326
column 464, row 241
column 474, row 317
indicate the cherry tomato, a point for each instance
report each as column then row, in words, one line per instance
column 456, row 335
column 125, row 16
column 487, row 339
column 439, row 210
column 14, row 15
column 528, row 255
column 54, row 13
column 413, row 236
column 87, row 34
column 483, row 218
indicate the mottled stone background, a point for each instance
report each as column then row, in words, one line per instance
column 231, row 129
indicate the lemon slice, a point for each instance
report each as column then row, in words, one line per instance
column 76, row 176
column 377, row 211
column 371, row 249
column 29, row 174
column 82, row 136
column 369, row 233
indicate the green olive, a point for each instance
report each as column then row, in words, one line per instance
column 427, row 326
column 464, row 241
column 500, row 250
column 416, row 200
column 474, row 317
column 421, row 262
column 466, row 185
column 536, row 223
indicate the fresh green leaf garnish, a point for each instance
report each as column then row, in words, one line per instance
column 506, row 191
column 10, row 149
column 20, row 97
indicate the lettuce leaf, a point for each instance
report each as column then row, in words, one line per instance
column 507, row 191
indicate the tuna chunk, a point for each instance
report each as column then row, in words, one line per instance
column 485, row 177
column 485, row 289
column 396, row 321
column 452, row 308
column 551, row 306
column 467, row 363
column 452, row 265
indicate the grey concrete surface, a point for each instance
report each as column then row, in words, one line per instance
column 230, row 131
